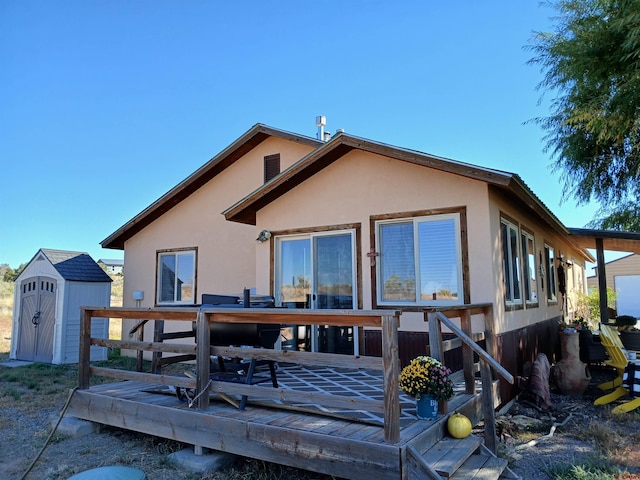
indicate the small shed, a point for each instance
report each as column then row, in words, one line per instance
column 47, row 299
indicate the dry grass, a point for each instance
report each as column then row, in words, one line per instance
column 5, row 335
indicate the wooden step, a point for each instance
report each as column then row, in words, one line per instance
column 480, row 467
column 449, row 454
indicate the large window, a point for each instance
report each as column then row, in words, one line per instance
column 420, row 261
column 511, row 262
column 176, row 276
column 529, row 268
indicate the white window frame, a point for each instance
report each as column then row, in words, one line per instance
column 511, row 278
column 528, row 269
column 175, row 253
column 552, row 273
column 311, row 268
column 416, row 221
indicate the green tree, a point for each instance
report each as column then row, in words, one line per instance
column 592, row 63
column 588, row 306
column 10, row 274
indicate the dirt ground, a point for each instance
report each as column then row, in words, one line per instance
column 573, row 432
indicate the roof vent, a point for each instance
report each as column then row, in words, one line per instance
column 321, row 122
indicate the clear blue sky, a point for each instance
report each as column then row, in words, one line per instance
column 106, row 105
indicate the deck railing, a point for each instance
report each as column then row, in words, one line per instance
column 388, row 365
column 443, row 315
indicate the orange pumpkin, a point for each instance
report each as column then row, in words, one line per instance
column 459, row 426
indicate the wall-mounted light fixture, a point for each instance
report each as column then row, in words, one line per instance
column 264, row 236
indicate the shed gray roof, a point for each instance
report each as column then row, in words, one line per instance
column 75, row 266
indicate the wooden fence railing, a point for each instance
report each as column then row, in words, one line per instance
column 388, row 365
column 442, row 315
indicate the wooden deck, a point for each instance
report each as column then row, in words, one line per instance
column 328, row 441
column 335, row 414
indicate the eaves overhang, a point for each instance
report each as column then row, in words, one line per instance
column 244, row 144
column 611, row 240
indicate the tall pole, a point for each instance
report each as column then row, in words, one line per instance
column 602, row 281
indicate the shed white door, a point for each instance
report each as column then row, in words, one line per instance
column 37, row 319
column 628, row 294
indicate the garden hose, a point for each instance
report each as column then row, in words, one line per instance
column 55, row 427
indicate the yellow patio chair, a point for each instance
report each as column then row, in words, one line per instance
column 617, row 359
column 631, row 384
column 617, row 355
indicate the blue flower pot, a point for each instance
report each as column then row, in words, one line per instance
column 427, row 407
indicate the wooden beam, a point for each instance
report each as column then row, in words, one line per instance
column 435, row 336
column 391, row 372
column 289, row 316
column 302, row 358
column 150, row 378
column 84, row 355
column 458, row 311
column 203, row 360
column 481, row 353
column 602, row 282
column 150, row 346
column 186, row 313
column 467, row 355
column 488, row 407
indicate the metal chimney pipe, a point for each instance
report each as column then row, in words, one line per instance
column 321, row 121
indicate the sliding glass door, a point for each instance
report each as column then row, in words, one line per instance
column 317, row 270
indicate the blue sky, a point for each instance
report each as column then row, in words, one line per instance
column 106, row 105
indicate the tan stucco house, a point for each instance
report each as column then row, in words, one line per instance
column 354, row 223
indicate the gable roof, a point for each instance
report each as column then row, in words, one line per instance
column 74, row 266
column 244, row 144
column 245, row 210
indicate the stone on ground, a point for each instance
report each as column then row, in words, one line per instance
column 210, row 462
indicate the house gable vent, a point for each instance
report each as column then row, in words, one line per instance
column 271, row 166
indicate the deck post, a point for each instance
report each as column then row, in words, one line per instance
column 391, row 372
column 158, row 331
column 467, row 354
column 140, row 353
column 203, row 359
column 488, row 406
column 490, row 336
column 435, row 336
column 84, row 365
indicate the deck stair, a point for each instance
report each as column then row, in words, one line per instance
column 457, row 459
